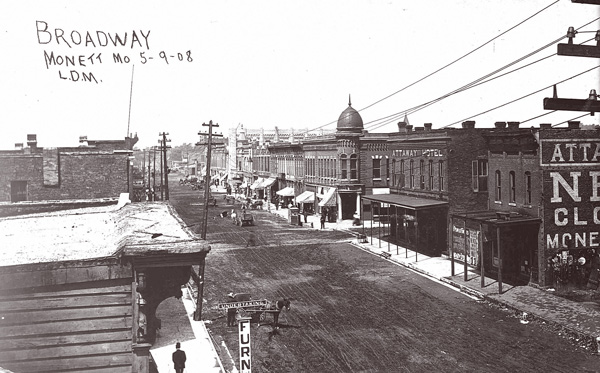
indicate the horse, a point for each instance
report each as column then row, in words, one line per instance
column 275, row 308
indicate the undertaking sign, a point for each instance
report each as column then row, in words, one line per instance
column 242, row 304
column 244, row 340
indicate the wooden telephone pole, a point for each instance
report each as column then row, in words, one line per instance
column 210, row 125
column 165, row 168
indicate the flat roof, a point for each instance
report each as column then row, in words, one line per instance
column 94, row 233
column 409, row 202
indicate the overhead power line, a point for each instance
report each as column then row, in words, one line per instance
column 443, row 67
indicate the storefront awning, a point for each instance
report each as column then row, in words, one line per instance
column 256, row 183
column 268, row 182
column 214, row 177
column 286, row 192
column 328, row 198
column 223, row 177
column 306, row 197
column 412, row 203
column 244, row 185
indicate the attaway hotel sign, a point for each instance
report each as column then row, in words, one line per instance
column 571, row 190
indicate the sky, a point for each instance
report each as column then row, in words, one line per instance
column 279, row 63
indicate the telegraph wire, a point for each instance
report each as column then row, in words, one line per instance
column 522, row 97
column 473, row 84
column 445, row 66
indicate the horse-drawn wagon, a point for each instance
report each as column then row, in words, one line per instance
column 243, row 218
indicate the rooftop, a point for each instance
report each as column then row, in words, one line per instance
column 94, row 233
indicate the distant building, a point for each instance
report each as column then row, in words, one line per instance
column 95, row 169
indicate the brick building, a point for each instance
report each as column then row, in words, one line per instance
column 96, row 169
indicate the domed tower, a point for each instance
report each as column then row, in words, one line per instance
column 349, row 130
column 350, row 121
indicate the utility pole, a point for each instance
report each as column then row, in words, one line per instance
column 210, row 125
column 166, row 168
column 162, row 192
column 591, row 104
column 210, row 135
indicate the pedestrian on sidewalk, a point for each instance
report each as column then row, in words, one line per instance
column 179, row 358
column 322, row 220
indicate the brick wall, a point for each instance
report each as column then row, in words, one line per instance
column 465, row 146
column 82, row 175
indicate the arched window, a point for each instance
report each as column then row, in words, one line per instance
column 511, row 183
column 498, row 186
column 354, row 167
column 412, row 173
column 343, row 166
column 527, row 188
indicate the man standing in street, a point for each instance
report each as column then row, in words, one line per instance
column 323, row 213
column 179, row 358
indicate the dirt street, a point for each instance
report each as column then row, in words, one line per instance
column 352, row 311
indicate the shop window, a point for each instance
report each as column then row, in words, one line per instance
column 512, row 182
column 343, row 166
column 376, row 168
column 528, row 188
column 498, row 186
column 354, row 167
column 479, row 175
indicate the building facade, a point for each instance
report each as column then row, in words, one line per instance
column 96, row 169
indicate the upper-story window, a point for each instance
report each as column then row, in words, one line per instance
column 430, row 173
column 376, row 168
column 344, row 166
column 401, row 182
column 387, row 170
column 422, row 174
column 512, row 186
column 528, row 188
column 411, row 171
column 441, row 175
column 479, row 175
column 498, row 186
column 354, row 167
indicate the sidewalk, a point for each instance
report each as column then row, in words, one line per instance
column 580, row 320
column 200, row 352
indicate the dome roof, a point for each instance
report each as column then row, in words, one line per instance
column 350, row 120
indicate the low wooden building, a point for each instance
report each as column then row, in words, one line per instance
column 79, row 288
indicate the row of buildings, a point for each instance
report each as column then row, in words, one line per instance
column 519, row 202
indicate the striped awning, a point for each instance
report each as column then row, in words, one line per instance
column 256, row 183
column 306, row 197
column 286, row 192
column 328, row 198
column 268, row 182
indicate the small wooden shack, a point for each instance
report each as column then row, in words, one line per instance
column 79, row 288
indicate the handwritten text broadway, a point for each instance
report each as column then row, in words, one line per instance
column 93, row 39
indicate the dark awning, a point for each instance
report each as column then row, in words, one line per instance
column 413, row 203
column 498, row 217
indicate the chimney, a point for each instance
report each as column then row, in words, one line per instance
column 419, row 129
column 545, row 126
column 402, row 126
column 83, row 140
column 500, row 125
column 574, row 124
column 470, row 124
column 276, row 137
column 409, row 128
column 513, row 125
column 19, row 146
column 32, row 141
column 427, row 126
